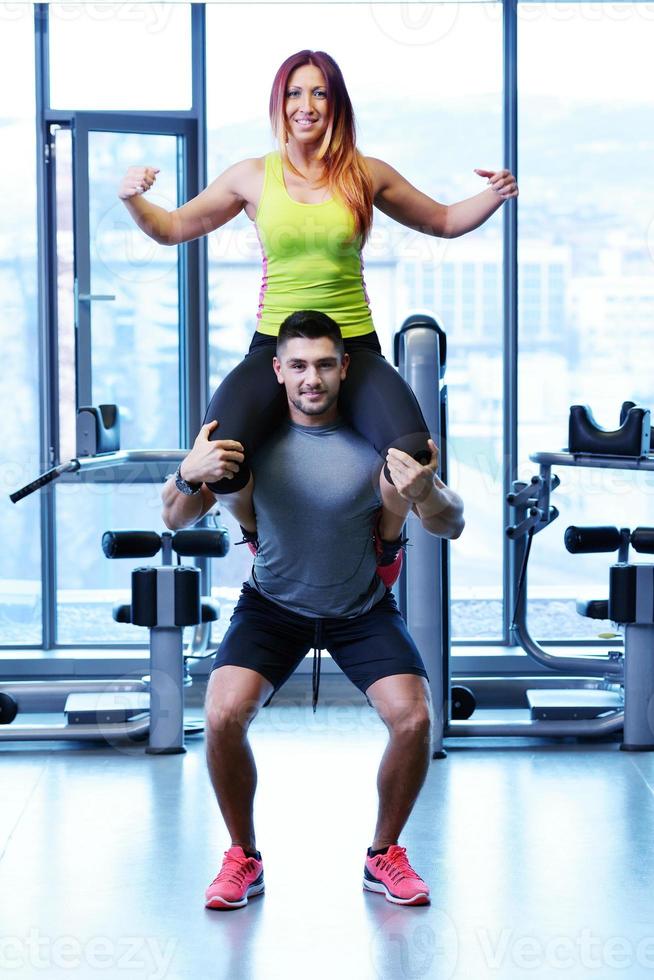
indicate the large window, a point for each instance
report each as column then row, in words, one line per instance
column 130, row 285
column 586, row 301
column 426, row 84
column 132, row 56
column 434, row 113
column 20, row 572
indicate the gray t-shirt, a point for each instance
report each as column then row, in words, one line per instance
column 316, row 492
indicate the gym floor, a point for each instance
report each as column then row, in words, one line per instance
column 539, row 855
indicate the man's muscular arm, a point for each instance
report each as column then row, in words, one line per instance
column 418, row 488
column 208, row 461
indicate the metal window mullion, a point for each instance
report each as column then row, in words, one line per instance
column 82, row 267
column 193, row 380
column 510, row 284
column 195, row 383
column 197, row 332
column 46, row 312
column 144, row 120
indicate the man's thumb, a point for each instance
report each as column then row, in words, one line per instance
column 213, row 422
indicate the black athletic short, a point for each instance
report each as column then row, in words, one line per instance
column 374, row 399
column 270, row 639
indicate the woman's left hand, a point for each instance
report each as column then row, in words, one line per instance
column 501, row 181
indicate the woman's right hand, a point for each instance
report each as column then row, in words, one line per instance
column 137, row 181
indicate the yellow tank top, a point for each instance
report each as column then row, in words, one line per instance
column 307, row 262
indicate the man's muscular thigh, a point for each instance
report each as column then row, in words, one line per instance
column 234, row 696
column 402, row 701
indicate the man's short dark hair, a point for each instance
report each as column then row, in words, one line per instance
column 310, row 324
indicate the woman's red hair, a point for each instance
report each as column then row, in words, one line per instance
column 348, row 177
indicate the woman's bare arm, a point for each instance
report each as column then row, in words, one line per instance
column 221, row 201
column 403, row 202
column 213, row 207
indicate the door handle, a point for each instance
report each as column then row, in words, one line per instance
column 87, row 298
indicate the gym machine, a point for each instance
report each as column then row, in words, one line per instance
column 623, row 699
column 165, row 599
column 423, row 588
column 618, row 692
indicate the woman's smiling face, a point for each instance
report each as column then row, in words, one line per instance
column 307, row 105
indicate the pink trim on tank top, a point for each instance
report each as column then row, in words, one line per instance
column 363, row 281
column 264, row 276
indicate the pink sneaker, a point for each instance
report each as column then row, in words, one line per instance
column 239, row 878
column 392, row 875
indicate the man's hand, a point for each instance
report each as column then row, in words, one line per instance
column 412, row 480
column 209, row 462
column 439, row 509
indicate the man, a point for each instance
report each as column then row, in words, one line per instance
column 314, row 582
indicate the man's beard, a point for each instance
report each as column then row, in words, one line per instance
column 309, row 409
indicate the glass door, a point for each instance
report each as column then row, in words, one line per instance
column 129, row 316
column 127, row 287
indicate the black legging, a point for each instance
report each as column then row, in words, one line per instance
column 250, row 404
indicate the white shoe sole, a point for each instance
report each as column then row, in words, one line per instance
column 217, row 902
column 380, row 887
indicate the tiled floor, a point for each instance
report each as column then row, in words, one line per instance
column 540, row 858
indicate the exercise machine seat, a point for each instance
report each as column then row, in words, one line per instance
column 632, row 438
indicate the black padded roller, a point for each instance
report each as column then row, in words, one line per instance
column 583, row 540
column 202, row 542
column 144, row 596
column 642, row 540
column 622, row 593
column 188, row 609
column 593, row 608
column 130, row 544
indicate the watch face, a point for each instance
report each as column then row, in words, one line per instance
column 183, row 486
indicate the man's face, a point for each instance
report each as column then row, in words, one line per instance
column 312, row 371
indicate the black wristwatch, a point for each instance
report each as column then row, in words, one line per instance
column 183, row 486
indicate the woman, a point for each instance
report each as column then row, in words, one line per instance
column 312, row 203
